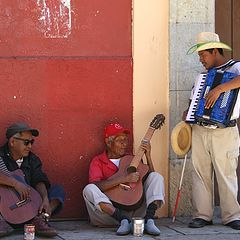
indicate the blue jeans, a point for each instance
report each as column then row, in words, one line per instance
column 56, row 192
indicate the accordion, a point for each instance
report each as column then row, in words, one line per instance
column 225, row 108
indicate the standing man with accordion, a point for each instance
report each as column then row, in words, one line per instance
column 213, row 111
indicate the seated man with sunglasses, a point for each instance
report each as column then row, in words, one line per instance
column 14, row 155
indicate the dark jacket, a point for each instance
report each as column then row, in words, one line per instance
column 31, row 167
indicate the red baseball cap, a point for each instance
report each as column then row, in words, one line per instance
column 115, row 129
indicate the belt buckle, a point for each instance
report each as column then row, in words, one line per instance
column 209, row 126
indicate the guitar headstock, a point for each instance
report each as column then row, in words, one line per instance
column 158, row 121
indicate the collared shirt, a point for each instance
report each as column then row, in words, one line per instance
column 101, row 168
column 19, row 162
column 31, row 167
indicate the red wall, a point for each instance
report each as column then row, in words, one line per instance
column 68, row 77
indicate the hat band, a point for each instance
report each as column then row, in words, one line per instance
column 211, row 44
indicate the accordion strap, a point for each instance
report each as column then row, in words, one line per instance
column 228, row 65
column 217, row 81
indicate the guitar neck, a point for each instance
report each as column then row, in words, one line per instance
column 140, row 152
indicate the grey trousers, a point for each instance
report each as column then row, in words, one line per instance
column 153, row 189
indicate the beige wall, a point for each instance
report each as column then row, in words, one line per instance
column 150, row 79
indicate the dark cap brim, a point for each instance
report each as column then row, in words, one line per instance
column 12, row 130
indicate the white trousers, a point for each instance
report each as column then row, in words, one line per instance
column 153, row 189
column 216, row 149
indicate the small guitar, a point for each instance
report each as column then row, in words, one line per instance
column 13, row 209
column 129, row 195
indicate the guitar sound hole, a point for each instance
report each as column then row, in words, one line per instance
column 131, row 169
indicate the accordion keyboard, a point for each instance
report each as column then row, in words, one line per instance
column 196, row 96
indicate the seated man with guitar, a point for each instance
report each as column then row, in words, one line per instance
column 121, row 186
column 25, row 192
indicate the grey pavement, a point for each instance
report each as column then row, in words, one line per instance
column 77, row 230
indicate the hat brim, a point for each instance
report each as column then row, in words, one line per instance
column 34, row 132
column 117, row 133
column 181, row 138
column 209, row 45
column 123, row 131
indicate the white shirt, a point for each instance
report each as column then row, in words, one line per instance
column 19, row 162
column 116, row 161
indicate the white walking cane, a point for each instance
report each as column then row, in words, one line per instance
column 179, row 189
column 181, row 139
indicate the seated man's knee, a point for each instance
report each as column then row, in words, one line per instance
column 160, row 177
column 57, row 192
column 89, row 189
column 157, row 176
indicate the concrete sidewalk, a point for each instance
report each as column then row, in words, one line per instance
column 77, row 230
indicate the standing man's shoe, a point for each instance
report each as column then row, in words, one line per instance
column 199, row 222
column 234, row 224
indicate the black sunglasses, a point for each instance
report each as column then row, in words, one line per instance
column 26, row 142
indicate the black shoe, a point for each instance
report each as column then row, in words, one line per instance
column 234, row 224
column 199, row 222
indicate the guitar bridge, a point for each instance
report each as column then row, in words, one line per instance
column 20, row 203
column 125, row 187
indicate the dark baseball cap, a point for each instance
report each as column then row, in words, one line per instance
column 20, row 127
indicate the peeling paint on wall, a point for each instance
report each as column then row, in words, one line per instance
column 55, row 18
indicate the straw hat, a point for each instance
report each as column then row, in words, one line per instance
column 181, row 138
column 207, row 40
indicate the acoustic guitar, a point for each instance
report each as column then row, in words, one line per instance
column 12, row 209
column 129, row 196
